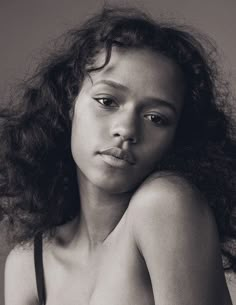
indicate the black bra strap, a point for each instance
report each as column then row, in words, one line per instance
column 38, row 262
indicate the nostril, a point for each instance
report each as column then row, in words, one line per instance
column 125, row 131
column 133, row 140
column 127, row 138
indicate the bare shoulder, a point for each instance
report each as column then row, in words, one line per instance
column 171, row 206
column 20, row 282
column 176, row 234
column 167, row 194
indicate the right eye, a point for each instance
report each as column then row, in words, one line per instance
column 106, row 102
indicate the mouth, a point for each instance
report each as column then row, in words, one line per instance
column 117, row 157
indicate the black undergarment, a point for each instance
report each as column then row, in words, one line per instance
column 39, row 273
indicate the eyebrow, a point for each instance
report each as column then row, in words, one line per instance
column 122, row 87
column 113, row 84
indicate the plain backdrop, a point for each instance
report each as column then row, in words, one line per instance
column 28, row 27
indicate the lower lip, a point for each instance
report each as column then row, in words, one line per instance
column 114, row 162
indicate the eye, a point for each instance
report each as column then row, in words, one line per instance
column 106, row 101
column 157, row 119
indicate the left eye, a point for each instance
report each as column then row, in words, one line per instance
column 106, row 102
column 156, row 119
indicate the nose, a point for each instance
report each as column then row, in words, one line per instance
column 125, row 128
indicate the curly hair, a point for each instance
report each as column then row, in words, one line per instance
column 38, row 185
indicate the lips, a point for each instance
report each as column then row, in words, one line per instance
column 120, row 154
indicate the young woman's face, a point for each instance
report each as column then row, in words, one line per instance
column 125, row 118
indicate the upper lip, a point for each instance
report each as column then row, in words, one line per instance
column 119, row 153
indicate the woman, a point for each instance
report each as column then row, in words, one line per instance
column 119, row 165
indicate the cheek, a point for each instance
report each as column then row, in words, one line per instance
column 168, row 141
column 80, row 135
column 157, row 146
column 87, row 134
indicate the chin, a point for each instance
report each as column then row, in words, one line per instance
column 115, row 185
column 113, row 181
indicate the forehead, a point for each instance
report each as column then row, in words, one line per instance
column 143, row 71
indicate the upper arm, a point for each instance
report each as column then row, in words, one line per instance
column 176, row 234
column 20, row 283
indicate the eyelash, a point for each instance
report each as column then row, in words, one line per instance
column 99, row 99
column 162, row 121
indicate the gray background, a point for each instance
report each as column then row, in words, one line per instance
column 28, row 27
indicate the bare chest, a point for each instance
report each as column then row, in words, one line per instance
column 118, row 276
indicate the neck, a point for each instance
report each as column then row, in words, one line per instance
column 100, row 212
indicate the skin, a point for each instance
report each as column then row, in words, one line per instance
column 142, row 237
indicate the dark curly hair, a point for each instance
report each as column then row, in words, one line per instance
column 38, row 185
